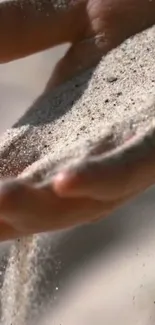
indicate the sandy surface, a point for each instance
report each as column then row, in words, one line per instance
column 102, row 273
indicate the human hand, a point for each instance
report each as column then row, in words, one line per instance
column 26, row 29
column 84, row 192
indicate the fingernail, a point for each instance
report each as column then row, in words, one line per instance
column 60, row 177
column 64, row 182
column 60, row 180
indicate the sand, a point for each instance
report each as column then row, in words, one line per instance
column 119, row 92
column 82, row 110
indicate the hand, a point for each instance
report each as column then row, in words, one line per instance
column 82, row 193
column 26, row 209
column 93, row 188
column 104, row 24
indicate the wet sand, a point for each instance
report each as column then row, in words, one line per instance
column 102, row 273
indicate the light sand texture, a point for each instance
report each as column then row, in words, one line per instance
column 102, row 273
column 79, row 111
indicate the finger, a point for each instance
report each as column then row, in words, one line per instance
column 88, row 179
column 110, row 177
column 25, row 29
column 7, row 232
column 20, row 204
column 32, row 210
column 23, row 219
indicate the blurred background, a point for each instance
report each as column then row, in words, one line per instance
column 22, row 81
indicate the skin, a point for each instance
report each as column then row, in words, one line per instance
column 105, row 180
column 104, row 24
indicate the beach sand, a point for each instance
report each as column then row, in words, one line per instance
column 104, row 272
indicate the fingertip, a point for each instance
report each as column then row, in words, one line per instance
column 65, row 183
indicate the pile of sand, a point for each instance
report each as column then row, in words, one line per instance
column 118, row 92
